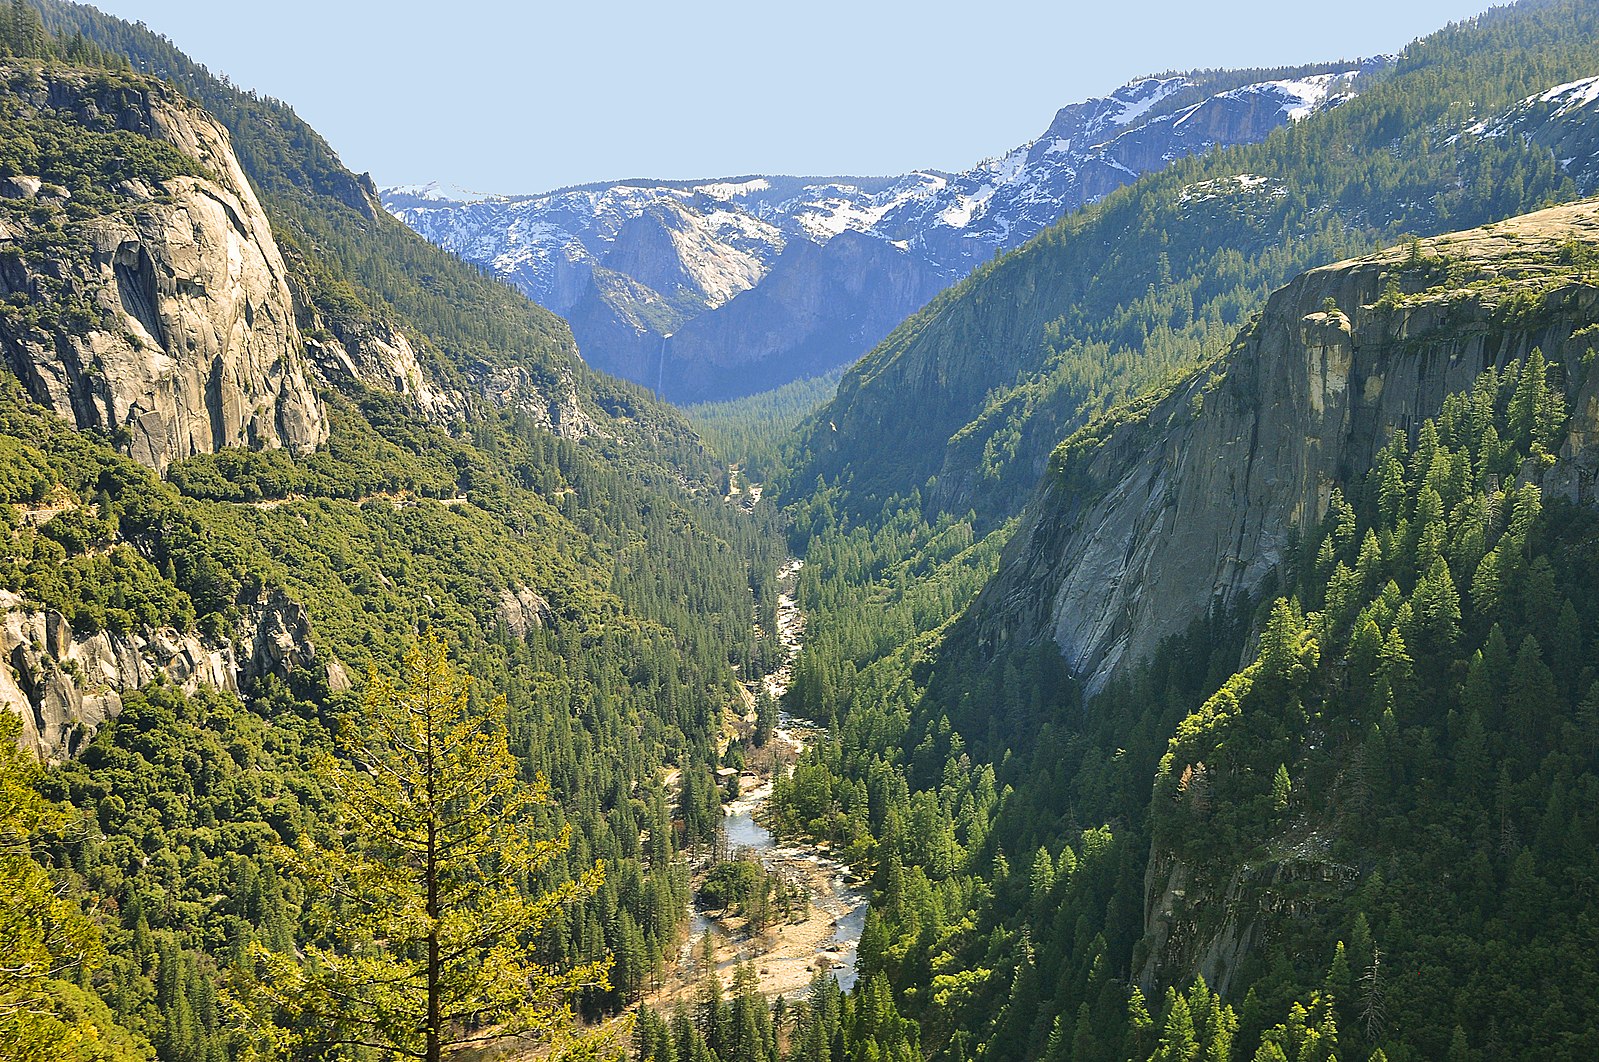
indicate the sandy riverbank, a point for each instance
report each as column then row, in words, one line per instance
column 786, row 955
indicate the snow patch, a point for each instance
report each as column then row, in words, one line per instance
column 1299, row 98
column 842, row 207
column 959, row 214
column 1567, row 100
column 1572, row 96
column 1220, row 187
column 1304, row 96
column 732, row 190
column 439, row 192
column 1144, row 97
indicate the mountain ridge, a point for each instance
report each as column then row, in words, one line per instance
column 1008, row 362
column 937, row 226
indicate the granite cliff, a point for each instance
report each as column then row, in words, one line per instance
column 65, row 684
column 1190, row 499
column 185, row 340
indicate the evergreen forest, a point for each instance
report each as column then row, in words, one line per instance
column 434, row 729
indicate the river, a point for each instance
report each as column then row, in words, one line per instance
column 788, row 955
column 841, row 904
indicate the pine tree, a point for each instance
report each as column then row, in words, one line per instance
column 422, row 886
column 24, row 31
column 1531, row 696
column 1140, row 1025
column 1042, row 879
column 1178, row 1042
column 43, row 934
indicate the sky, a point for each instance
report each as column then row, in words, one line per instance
column 505, row 96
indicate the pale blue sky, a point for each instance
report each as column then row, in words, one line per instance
column 504, row 96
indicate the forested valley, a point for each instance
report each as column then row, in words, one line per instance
column 409, row 731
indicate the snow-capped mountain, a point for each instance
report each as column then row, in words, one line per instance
column 709, row 289
column 1564, row 119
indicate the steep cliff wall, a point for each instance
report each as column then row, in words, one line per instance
column 383, row 359
column 1189, row 499
column 812, row 312
column 65, row 684
column 170, row 317
column 1194, row 498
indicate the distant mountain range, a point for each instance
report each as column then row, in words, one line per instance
column 718, row 288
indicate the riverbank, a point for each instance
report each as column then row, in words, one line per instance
column 788, row 953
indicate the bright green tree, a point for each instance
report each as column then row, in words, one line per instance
column 43, row 934
column 1178, row 1042
column 424, row 884
column 1282, row 788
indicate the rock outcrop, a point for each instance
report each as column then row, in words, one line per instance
column 815, row 302
column 64, row 684
column 1189, row 500
column 191, row 342
column 384, row 360
column 522, row 610
column 1196, row 927
column 554, row 405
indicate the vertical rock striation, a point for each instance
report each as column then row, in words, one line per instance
column 191, row 342
column 64, row 684
column 1190, row 499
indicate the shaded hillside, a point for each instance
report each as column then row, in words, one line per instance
column 1349, row 808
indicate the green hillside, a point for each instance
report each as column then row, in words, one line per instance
column 644, row 586
column 1346, row 813
column 1010, row 920
column 965, row 401
column 1360, row 835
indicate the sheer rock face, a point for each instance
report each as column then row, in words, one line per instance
column 522, row 610
column 814, row 302
column 64, row 684
column 194, row 344
column 551, row 402
column 383, row 359
column 1190, row 501
column 1204, row 921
